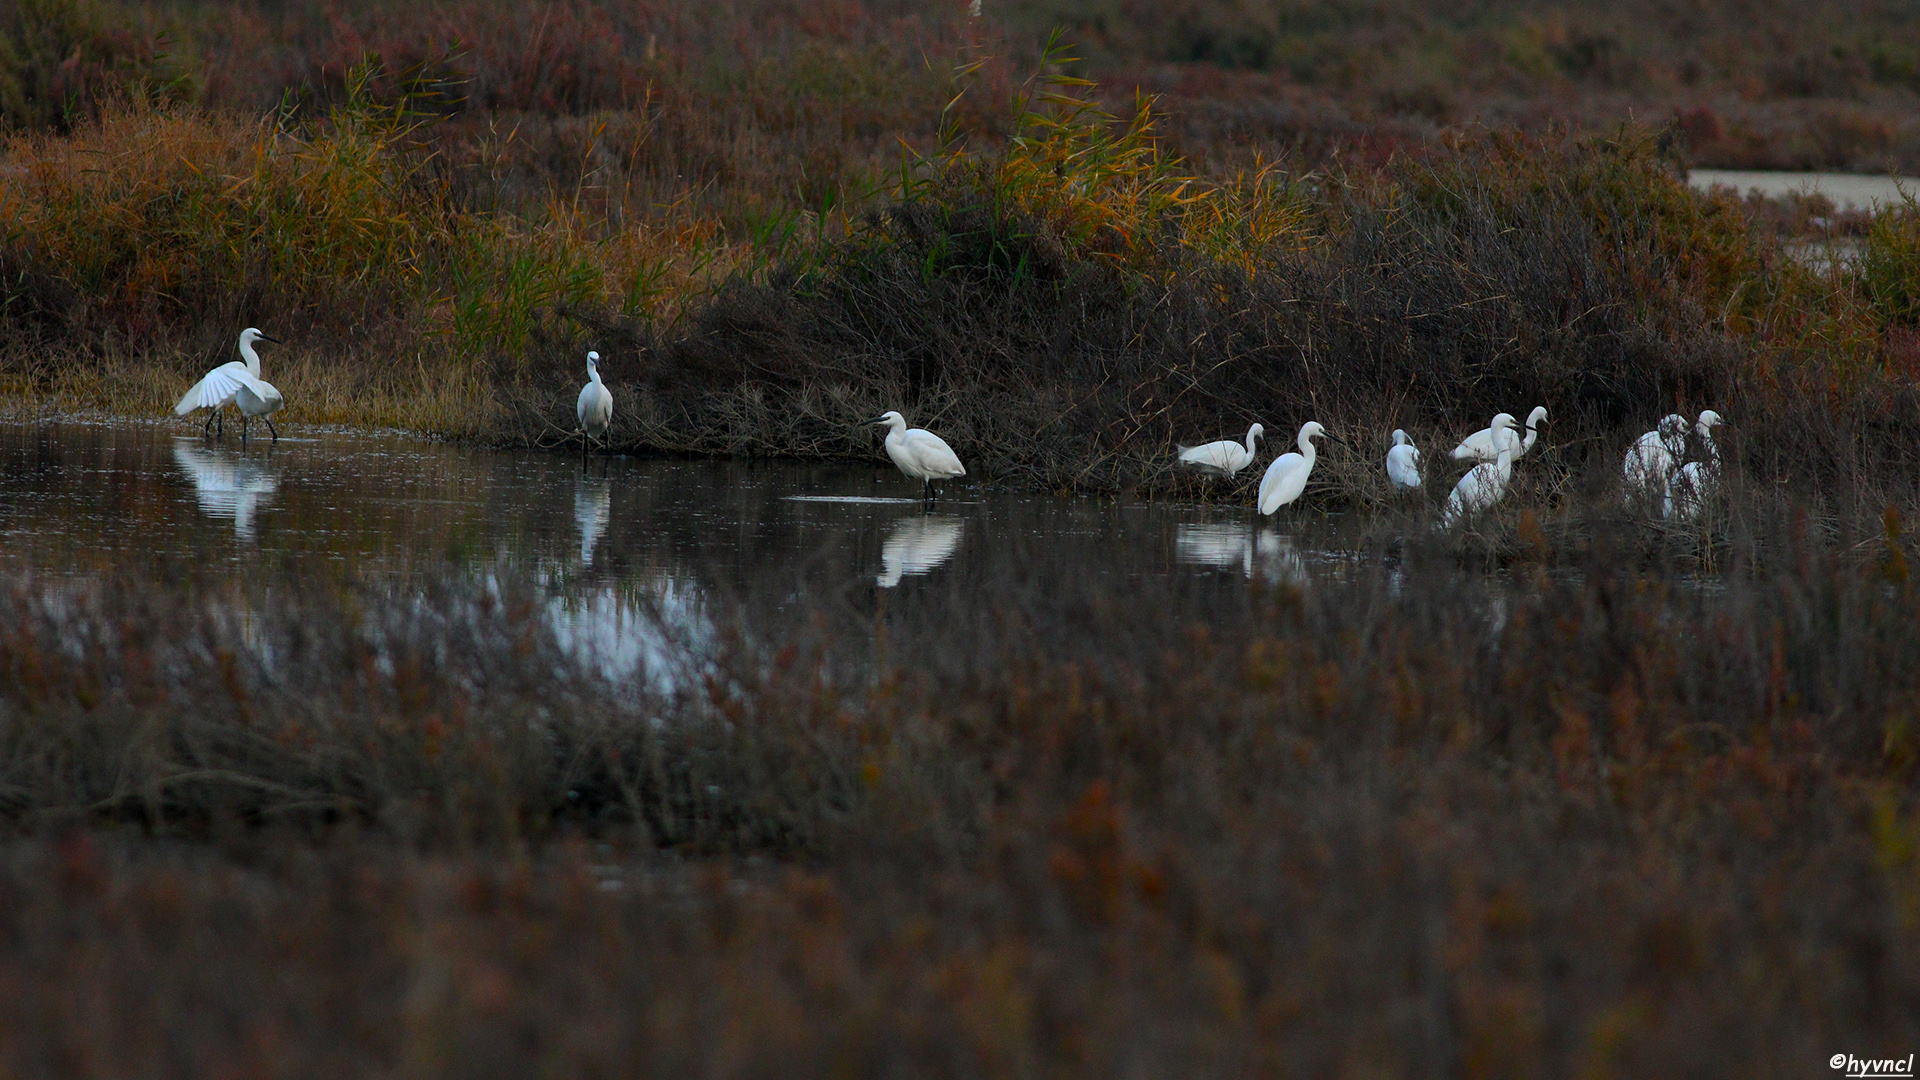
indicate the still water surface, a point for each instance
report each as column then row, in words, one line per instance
column 86, row 501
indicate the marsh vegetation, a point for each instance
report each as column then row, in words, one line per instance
column 351, row 756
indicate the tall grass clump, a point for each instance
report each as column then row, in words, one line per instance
column 1890, row 264
column 157, row 219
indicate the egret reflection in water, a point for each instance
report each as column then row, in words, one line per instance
column 1234, row 546
column 227, row 483
column 917, row 545
column 592, row 507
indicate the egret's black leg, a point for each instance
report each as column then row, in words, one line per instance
column 243, row 429
column 219, row 424
column 275, row 430
column 207, row 431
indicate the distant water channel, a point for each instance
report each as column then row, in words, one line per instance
column 616, row 548
column 1847, row 191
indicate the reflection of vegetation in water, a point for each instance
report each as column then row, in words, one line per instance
column 1146, row 786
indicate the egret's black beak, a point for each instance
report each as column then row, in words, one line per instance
column 878, row 420
column 275, row 340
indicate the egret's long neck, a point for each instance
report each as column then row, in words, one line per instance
column 1306, row 448
column 1249, row 442
column 1706, row 437
column 252, row 358
column 593, row 372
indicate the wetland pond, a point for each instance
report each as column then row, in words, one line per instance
column 625, row 555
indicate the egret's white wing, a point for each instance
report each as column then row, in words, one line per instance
column 216, row 389
column 1225, row 456
column 1283, row 482
column 1476, row 447
column 933, row 455
column 1403, row 466
column 1481, row 446
column 917, row 545
column 1687, row 494
column 1470, row 494
column 1649, row 462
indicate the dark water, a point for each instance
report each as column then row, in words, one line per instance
column 84, row 502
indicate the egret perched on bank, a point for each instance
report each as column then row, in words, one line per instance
column 1651, row 458
column 1485, row 484
column 1479, row 445
column 595, row 407
column 1286, row 478
column 237, row 383
column 1223, row 458
column 1696, row 482
column 1403, row 463
column 919, row 453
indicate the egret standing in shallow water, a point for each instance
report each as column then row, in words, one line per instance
column 1223, row 458
column 919, row 453
column 1479, row 446
column 1403, row 463
column 595, row 408
column 1485, row 484
column 235, row 383
column 1286, row 478
column 1696, row 482
column 1651, row 458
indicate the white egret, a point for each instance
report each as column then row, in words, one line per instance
column 1403, row 463
column 1485, row 484
column 231, row 487
column 1697, row 482
column 919, row 453
column 236, row 382
column 1479, row 445
column 595, row 407
column 917, row 545
column 1651, row 458
column 1286, row 478
column 1223, row 458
